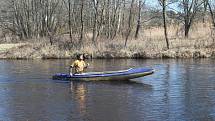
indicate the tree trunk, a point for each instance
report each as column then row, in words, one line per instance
column 164, row 23
column 139, row 20
column 82, row 21
column 95, row 2
column 129, row 24
column 205, row 4
column 187, row 27
column 70, row 27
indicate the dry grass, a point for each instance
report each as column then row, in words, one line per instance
column 5, row 47
column 198, row 30
column 150, row 41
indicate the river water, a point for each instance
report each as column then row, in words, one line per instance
column 181, row 90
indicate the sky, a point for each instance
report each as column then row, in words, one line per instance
column 152, row 3
column 155, row 4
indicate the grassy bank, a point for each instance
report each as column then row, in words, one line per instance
column 150, row 44
column 142, row 49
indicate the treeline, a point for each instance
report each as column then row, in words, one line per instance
column 98, row 18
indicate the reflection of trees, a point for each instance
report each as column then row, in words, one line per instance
column 4, row 106
column 166, row 83
column 197, row 90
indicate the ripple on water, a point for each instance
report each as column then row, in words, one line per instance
column 178, row 90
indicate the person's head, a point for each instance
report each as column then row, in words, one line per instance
column 80, row 57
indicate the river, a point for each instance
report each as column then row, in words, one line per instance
column 182, row 90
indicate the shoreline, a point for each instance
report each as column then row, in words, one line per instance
column 32, row 51
column 169, row 54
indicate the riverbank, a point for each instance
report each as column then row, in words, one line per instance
column 150, row 44
column 47, row 51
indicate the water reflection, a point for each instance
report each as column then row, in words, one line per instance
column 178, row 90
column 80, row 92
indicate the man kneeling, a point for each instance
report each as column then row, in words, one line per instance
column 78, row 65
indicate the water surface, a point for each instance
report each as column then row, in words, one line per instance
column 179, row 90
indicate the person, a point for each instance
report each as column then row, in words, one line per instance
column 79, row 65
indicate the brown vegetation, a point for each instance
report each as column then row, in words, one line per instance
column 149, row 45
column 107, row 28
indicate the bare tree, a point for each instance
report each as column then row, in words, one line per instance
column 163, row 3
column 82, row 21
column 70, row 27
column 29, row 18
column 205, row 6
column 95, row 6
column 190, row 9
column 139, row 18
column 211, row 13
column 129, row 23
column 105, row 19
